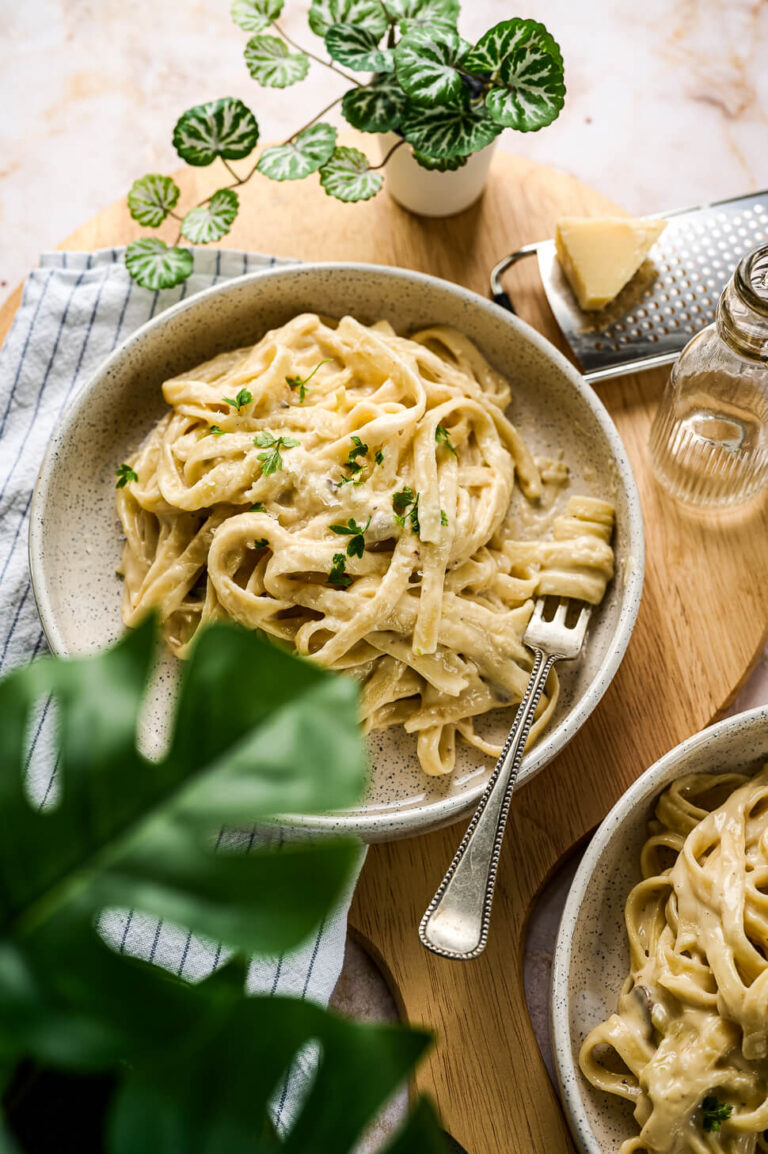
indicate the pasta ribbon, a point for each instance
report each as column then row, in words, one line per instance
column 362, row 497
column 689, row 1041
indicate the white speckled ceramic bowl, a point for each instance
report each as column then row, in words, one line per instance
column 75, row 539
column 592, row 956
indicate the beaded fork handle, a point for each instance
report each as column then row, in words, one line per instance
column 456, row 921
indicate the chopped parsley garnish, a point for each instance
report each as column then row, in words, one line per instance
column 261, row 543
column 301, row 383
column 358, row 450
column 242, row 398
column 272, row 461
column 124, row 474
column 356, row 533
column 413, row 517
column 443, row 437
column 257, row 508
column 714, row 1113
column 379, row 457
column 402, row 499
column 352, row 465
column 406, row 506
column 443, row 517
column 216, row 430
column 337, row 576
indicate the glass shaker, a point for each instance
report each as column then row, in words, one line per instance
column 709, row 439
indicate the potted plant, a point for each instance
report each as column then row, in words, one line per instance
column 114, row 1053
column 437, row 103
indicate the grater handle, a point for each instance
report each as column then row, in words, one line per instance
column 504, row 300
column 498, row 294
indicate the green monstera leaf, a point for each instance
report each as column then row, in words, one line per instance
column 358, row 49
column 271, row 62
column 154, row 265
column 300, row 157
column 421, row 1134
column 236, row 756
column 151, row 199
column 427, row 66
column 430, row 14
column 443, row 133
column 255, row 15
column 257, row 732
column 348, row 176
column 223, row 128
column 129, row 832
column 211, row 221
column 435, row 164
column 375, row 107
column 243, row 1052
column 368, row 14
column 525, row 67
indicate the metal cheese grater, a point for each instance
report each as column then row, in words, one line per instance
column 673, row 295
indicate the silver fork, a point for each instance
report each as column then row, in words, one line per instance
column 455, row 924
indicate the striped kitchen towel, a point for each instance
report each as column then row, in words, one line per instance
column 76, row 309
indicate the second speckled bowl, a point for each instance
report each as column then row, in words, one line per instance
column 75, row 538
column 592, row 954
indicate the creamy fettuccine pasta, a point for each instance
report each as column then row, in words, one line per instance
column 362, row 497
column 691, row 1029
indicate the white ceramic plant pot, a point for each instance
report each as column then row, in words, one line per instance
column 434, row 193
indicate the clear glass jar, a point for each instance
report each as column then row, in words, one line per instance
column 709, row 438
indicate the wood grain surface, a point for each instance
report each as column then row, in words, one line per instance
column 701, row 626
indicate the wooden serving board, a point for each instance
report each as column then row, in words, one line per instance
column 702, row 624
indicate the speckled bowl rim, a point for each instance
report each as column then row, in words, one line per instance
column 570, row 1079
column 433, row 814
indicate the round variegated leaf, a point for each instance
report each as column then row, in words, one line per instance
column 271, row 62
column 492, row 47
column 506, row 38
column 368, row 14
column 151, row 199
column 427, row 61
column 211, row 221
column 434, row 164
column 448, row 132
column 358, row 49
column 225, row 128
column 302, row 156
column 526, row 110
column 375, row 107
column 431, row 14
column 255, row 15
column 348, row 176
column 155, row 266
column 526, row 69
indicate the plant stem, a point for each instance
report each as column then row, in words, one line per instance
column 394, row 148
column 309, row 123
column 319, row 59
column 235, row 184
column 245, row 179
column 240, row 180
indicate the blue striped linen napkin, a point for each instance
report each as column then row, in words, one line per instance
column 75, row 310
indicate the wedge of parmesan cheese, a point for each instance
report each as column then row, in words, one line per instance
column 599, row 256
